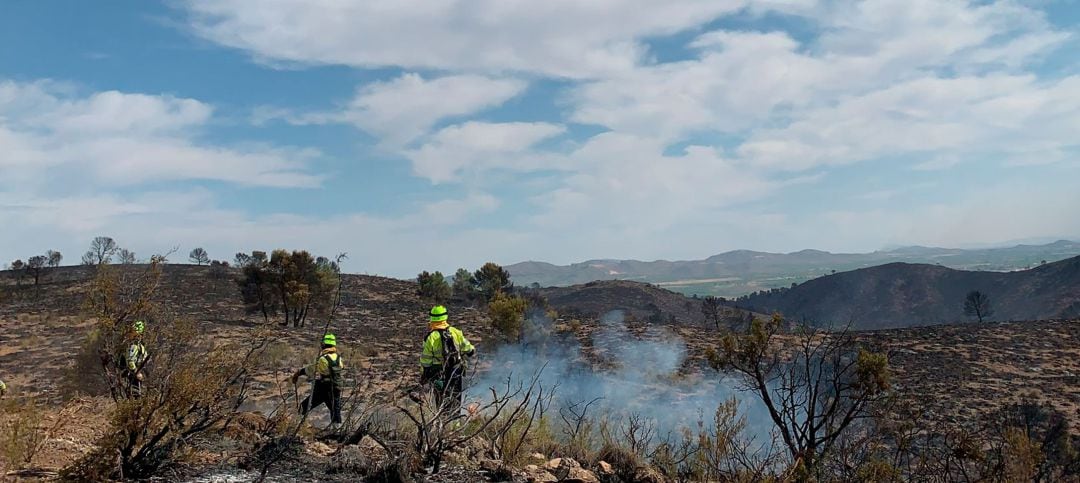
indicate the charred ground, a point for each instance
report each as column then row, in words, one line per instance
column 952, row 373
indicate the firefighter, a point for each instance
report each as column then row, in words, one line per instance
column 134, row 358
column 326, row 374
column 443, row 360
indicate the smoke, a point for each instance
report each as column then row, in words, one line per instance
column 626, row 375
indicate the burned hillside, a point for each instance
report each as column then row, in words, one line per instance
column 952, row 375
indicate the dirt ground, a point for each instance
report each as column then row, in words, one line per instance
column 959, row 372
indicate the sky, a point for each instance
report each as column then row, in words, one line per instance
column 430, row 135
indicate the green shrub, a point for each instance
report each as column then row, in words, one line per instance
column 507, row 314
column 433, row 287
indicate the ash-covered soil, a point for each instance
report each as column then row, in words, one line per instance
column 956, row 373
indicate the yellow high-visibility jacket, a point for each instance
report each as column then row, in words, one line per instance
column 432, row 354
column 328, row 366
column 136, row 355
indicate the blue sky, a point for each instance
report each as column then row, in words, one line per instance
column 431, row 135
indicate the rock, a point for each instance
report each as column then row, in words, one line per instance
column 605, row 468
column 570, row 471
column 348, row 460
column 478, row 447
column 648, row 475
column 581, row 475
column 557, row 463
column 538, row 458
column 534, row 474
column 319, row 448
column 372, row 449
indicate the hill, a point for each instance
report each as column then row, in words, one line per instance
column 954, row 373
column 640, row 301
column 904, row 295
column 740, row 272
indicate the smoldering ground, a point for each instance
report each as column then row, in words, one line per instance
column 622, row 376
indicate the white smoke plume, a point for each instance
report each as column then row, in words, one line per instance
column 635, row 376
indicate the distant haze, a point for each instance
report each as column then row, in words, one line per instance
column 741, row 272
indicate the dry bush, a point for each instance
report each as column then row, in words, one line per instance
column 524, row 436
column 440, row 429
column 117, row 298
column 278, row 355
column 624, row 462
column 520, row 433
column 21, row 434
column 1020, row 442
column 84, row 375
column 724, row 452
column 580, row 431
column 192, row 386
column 193, row 389
column 815, row 390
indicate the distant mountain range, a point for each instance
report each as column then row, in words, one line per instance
column 742, row 272
column 903, row 295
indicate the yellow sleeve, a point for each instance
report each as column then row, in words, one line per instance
column 427, row 356
column 466, row 346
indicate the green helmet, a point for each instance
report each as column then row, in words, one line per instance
column 439, row 314
column 139, row 326
column 329, row 339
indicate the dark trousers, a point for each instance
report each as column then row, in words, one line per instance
column 449, row 396
column 324, row 392
column 134, row 385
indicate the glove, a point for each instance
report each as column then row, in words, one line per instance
column 295, row 377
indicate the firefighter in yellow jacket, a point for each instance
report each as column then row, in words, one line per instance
column 134, row 358
column 326, row 372
column 443, row 359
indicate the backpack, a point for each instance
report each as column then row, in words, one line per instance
column 335, row 369
column 122, row 361
column 451, row 356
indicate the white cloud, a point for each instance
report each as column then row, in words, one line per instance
column 982, row 117
column 401, row 110
column 938, row 162
column 626, row 183
column 692, row 157
column 473, row 146
column 125, row 139
column 404, row 108
column 736, row 84
column 744, row 80
column 561, row 38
